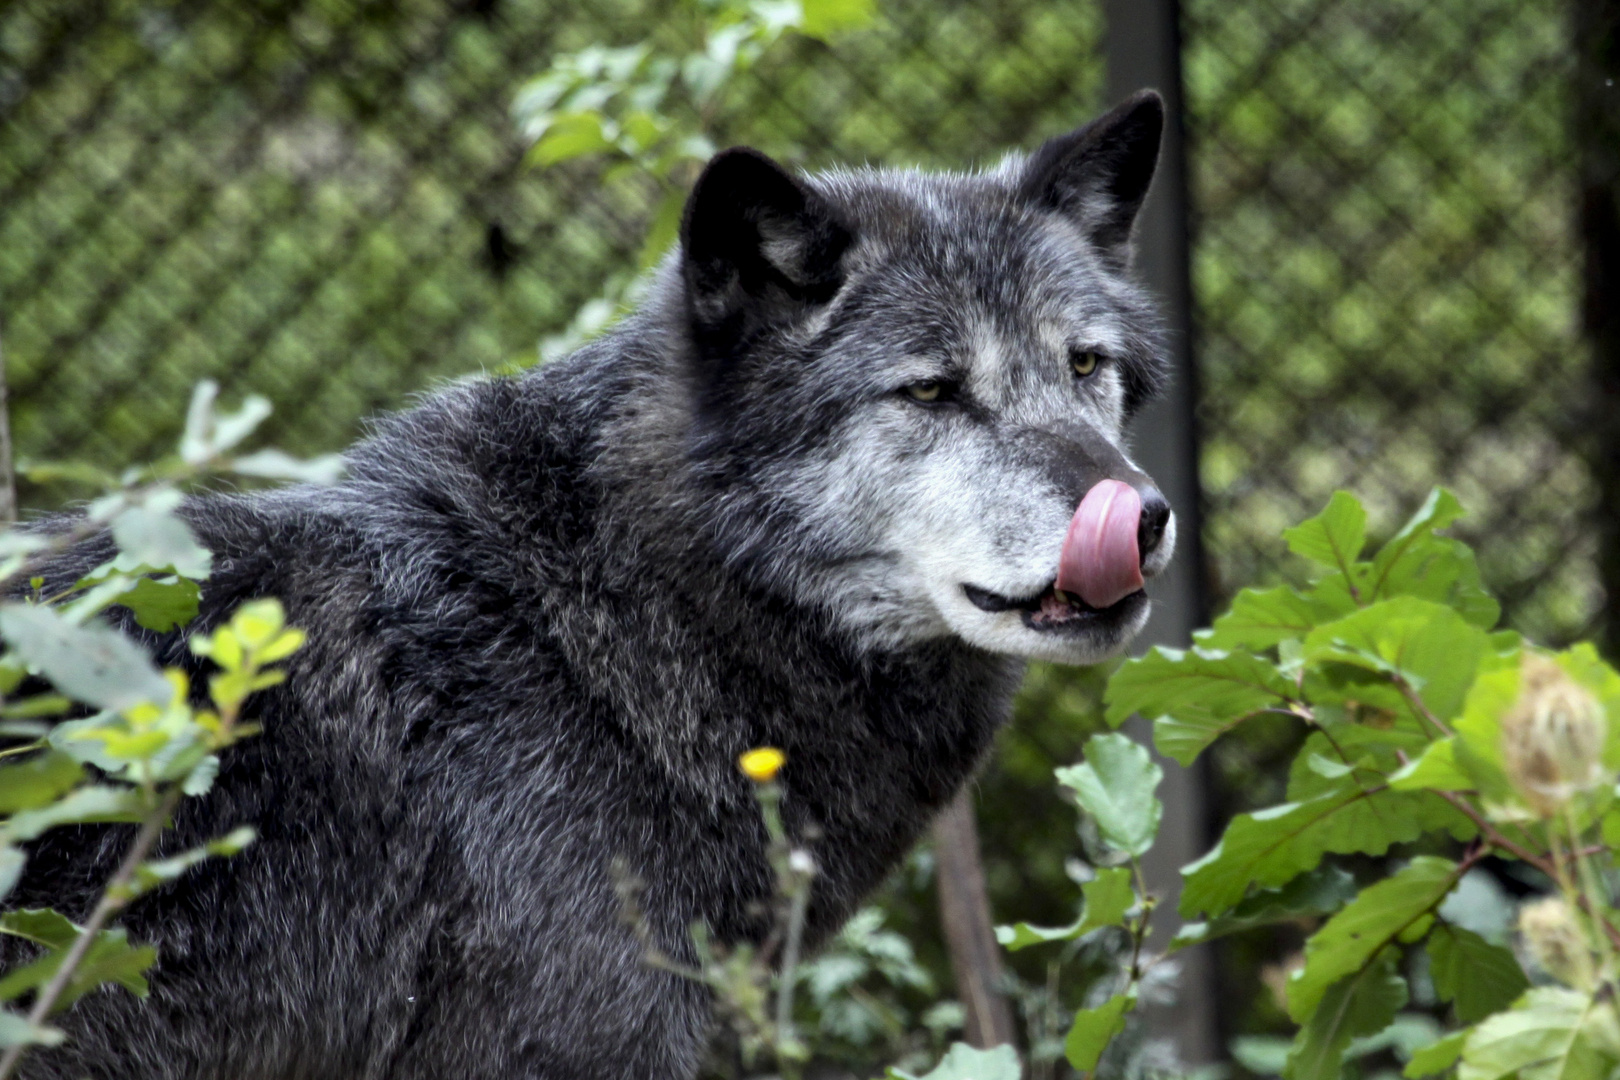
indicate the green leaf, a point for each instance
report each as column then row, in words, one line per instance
column 152, row 533
column 1107, row 898
column 15, row 1030
column 1321, row 892
column 85, row 806
column 824, row 18
column 155, row 872
column 569, row 136
column 1539, row 1038
column 1094, row 1029
column 1363, row 1003
column 323, row 470
column 1480, row 978
column 42, row 926
column 1269, row 847
column 1415, row 562
column 1335, row 536
column 1435, row 770
column 162, row 605
column 1115, row 784
column 40, row 779
column 1384, row 913
column 1197, row 695
column 109, row 959
column 1436, row 1058
column 1260, row 619
column 1429, row 645
column 963, row 1062
column 94, row 664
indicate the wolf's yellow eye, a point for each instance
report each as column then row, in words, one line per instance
column 927, row 390
column 1083, row 361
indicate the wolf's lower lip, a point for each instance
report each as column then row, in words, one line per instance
column 1048, row 609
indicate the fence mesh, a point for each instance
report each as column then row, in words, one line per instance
column 1386, row 280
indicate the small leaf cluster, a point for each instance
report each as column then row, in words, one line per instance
column 92, row 731
column 1425, row 728
column 647, row 110
column 1116, row 787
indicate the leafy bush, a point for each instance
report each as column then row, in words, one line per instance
column 1434, row 743
column 92, row 732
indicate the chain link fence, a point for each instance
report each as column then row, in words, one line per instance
column 1387, row 280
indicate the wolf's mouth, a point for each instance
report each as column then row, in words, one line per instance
column 1051, row 608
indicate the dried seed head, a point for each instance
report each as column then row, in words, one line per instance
column 1555, row 939
column 1552, row 737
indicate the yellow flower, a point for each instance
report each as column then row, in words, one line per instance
column 762, row 763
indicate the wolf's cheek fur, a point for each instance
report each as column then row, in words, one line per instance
column 916, row 527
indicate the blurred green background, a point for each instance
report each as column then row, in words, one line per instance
column 326, row 202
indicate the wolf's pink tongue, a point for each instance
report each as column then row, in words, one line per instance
column 1100, row 560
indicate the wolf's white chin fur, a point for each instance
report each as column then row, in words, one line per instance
column 1005, row 632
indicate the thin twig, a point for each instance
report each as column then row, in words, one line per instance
column 113, row 899
column 1495, row 838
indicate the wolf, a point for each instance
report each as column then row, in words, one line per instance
column 858, row 455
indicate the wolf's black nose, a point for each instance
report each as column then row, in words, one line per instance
column 1155, row 516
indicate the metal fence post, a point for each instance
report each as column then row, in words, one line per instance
column 1143, row 50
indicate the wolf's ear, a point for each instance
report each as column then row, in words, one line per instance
column 1099, row 174
column 758, row 247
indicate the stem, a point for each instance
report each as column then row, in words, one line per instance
column 1494, row 838
column 37, row 744
column 1419, row 707
column 112, row 901
column 8, row 481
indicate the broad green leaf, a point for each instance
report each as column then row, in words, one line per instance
column 93, row 664
column 1362, row 1003
column 85, row 806
column 570, row 136
column 1478, row 977
column 162, row 604
column 1321, row 892
column 1260, row 619
column 1094, row 1029
column 1478, row 748
column 152, row 533
column 1539, row 1039
column 963, row 1062
column 38, row 780
column 1335, row 536
column 823, row 18
column 42, row 926
column 1115, row 784
column 1436, row 1058
column 1195, row 695
column 1428, row 644
column 1384, row 913
column 110, row 958
column 1270, row 847
column 1435, row 770
column 1416, row 562
column 1107, row 898
column 15, row 1030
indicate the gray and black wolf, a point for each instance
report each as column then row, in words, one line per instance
column 856, row 457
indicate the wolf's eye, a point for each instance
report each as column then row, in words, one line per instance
column 1084, row 361
column 927, row 391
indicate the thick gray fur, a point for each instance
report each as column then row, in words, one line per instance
column 546, row 613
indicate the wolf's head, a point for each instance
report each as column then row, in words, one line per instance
column 908, row 391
